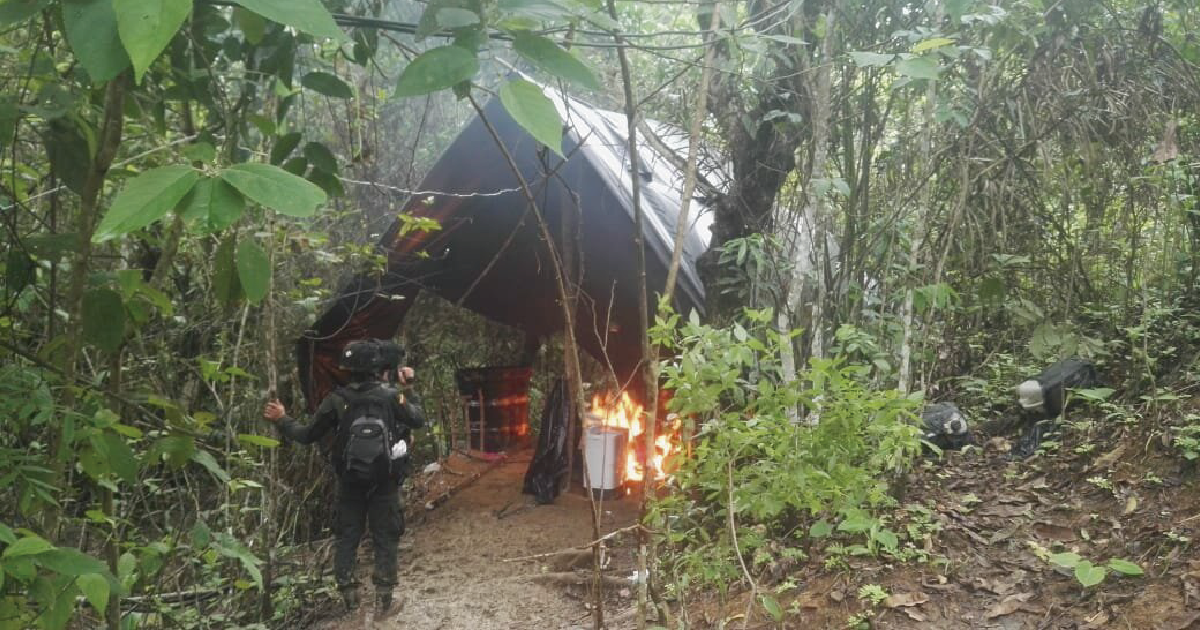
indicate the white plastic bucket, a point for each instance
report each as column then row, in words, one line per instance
column 604, row 457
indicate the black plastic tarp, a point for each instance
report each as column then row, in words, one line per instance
column 490, row 255
column 543, row 478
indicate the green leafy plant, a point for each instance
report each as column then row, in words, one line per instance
column 1187, row 437
column 872, row 594
column 756, row 465
column 1089, row 574
column 40, row 581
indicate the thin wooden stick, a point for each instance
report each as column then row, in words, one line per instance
column 583, row 547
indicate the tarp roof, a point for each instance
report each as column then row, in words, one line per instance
column 490, row 257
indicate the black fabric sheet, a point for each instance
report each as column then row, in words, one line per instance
column 543, row 478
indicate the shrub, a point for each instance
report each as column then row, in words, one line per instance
column 773, row 452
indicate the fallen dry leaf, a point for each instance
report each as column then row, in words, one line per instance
column 1005, row 511
column 1010, row 498
column 1036, row 484
column 999, row 444
column 1131, row 505
column 904, row 600
column 1002, row 534
column 1097, row 620
column 812, row 599
column 1010, row 605
column 1187, row 622
column 914, row 615
column 1054, row 531
column 1110, row 458
column 998, row 587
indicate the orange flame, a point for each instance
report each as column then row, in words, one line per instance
column 626, row 414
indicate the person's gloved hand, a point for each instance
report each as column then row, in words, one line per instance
column 406, row 375
column 274, row 411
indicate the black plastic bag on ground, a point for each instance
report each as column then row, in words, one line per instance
column 944, row 425
column 544, row 475
column 1043, row 398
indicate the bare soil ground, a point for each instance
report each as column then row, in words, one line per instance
column 464, row 564
column 1128, row 498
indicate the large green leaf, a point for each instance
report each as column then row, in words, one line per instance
column 258, row 440
column 121, row 459
column 146, row 199
column 231, row 547
column 306, row 15
column 454, row 17
column 72, row 562
column 92, row 32
column 772, row 606
column 70, row 151
column 552, row 58
column 175, row 450
column 19, row 272
column 1067, row 560
column 871, row 59
column 284, row 145
column 437, row 69
column 533, row 111
column 214, row 203
column 147, row 26
column 320, row 157
column 17, row 10
column 1089, row 574
column 252, row 24
column 201, row 535
column 254, row 269
column 931, row 44
column 55, row 596
column 275, row 188
column 103, row 319
column 327, row 181
column 225, row 283
column 429, row 23
column 205, row 459
column 296, row 166
column 27, row 546
column 96, row 589
column 327, row 84
column 918, row 68
column 1125, row 567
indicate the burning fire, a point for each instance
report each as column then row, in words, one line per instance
column 626, row 414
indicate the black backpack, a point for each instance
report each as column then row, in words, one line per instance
column 367, row 432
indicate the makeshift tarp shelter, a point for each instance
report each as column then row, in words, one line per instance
column 489, row 255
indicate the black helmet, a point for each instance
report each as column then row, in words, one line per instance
column 391, row 354
column 360, row 357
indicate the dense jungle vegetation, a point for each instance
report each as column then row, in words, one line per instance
column 910, row 201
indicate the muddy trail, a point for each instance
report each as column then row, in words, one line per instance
column 488, row 558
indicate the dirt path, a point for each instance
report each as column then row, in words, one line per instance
column 453, row 573
column 998, row 523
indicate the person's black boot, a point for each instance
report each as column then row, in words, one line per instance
column 350, row 597
column 383, row 602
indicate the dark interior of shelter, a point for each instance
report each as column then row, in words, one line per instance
column 494, row 255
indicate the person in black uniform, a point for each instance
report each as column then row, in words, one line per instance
column 368, row 419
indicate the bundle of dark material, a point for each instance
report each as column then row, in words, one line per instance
column 945, row 426
column 1044, row 398
column 544, row 476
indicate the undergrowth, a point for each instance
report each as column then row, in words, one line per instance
column 779, row 469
